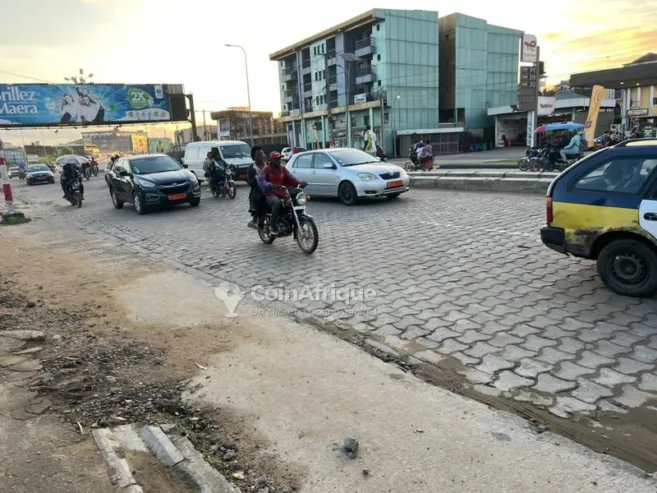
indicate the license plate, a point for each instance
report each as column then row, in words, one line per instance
column 178, row 196
column 395, row 184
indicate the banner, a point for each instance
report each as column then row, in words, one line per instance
column 529, row 44
column 223, row 128
column 88, row 104
column 546, row 105
column 594, row 109
column 160, row 145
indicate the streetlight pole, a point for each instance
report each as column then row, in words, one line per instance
column 248, row 89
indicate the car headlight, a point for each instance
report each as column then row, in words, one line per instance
column 301, row 198
column 366, row 176
column 146, row 184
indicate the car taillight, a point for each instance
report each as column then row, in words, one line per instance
column 550, row 215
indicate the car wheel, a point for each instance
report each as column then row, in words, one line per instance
column 118, row 204
column 194, row 202
column 347, row 193
column 628, row 267
column 136, row 201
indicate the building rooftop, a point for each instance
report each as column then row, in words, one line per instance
column 647, row 58
column 352, row 23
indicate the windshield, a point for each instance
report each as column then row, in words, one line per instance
column 236, row 151
column 352, row 157
column 155, row 164
column 37, row 168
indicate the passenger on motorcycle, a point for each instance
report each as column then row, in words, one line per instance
column 70, row 173
column 426, row 156
column 273, row 180
column 256, row 200
column 573, row 149
column 217, row 169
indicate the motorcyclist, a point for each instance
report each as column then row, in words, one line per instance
column 273, row 180
column 573, row 149
column 255, row 195
column 70, row 173
column 216, row 168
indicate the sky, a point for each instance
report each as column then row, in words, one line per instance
column 182, row 42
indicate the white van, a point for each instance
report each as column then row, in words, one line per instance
column 234, row 152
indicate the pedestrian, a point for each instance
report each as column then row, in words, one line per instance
column 370, row 141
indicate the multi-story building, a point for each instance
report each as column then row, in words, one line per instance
column 112, row 140
column 634, row 85
column 378, row 69
column 478, row 69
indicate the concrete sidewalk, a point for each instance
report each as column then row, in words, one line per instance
column 489, row 159
column 484, row 180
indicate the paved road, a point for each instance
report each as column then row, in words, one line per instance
column 458, row 277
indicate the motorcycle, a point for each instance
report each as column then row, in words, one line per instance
column 227, row 186
column 525, row 163
column 87, row 172
column 292, row 221
column 413, row 164
column 549, row 159
column 381, row 154
column 21, row 174
column 94, row 171
column 74, row 194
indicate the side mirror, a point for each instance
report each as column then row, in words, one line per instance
column 124, row 172
column 185, row 166
column 329, row 166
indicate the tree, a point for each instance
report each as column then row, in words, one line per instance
column 65, row 150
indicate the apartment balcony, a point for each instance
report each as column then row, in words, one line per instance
column 307, row 89
column 364, row 48
column 332, row 81
column 333, row 103
column 289, row 95
column 289, row 73
column 331, row 58
column 305, row 66
column 364, row 75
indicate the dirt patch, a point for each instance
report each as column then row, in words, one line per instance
column 151, row 475
column 112, row 358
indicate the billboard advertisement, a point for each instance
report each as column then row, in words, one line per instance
column 546, row 105
column 139, row 144
column 87, row 104
column 223, row 128
column 159, row 146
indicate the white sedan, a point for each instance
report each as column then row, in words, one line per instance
column 349, row 174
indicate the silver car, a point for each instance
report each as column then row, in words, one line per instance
column 349, row 174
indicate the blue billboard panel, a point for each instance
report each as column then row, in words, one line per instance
column 86, row 104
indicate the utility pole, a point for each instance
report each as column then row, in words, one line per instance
column 248, row 89
column 205, row 127
column 538, row 83
column 192, row 117
column 383, row 119
column 327, row 91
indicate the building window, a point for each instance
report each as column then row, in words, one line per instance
column 366, row 120
column 378, row 27
column 379, row 82
column 386, row 117
column 378, row 58
column 654, row 101
column 318, row 126
column 323, row 74
column 317, row 100
column 315, row 50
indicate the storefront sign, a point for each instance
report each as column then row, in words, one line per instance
column 530, row 129
column 529, row 48
column 546, row 105
column 360, row 98
column 637, row 112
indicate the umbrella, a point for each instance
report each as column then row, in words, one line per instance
column 81, row 159
column 551, row 127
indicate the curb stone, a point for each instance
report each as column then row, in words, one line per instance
column 161, row 446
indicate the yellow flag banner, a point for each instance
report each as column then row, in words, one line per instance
column 594, row 111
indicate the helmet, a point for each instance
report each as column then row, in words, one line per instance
column 274, row 155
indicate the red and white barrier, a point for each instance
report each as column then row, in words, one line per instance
column 6, row 187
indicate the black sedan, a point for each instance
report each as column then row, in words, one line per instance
column 39, row 173
column 152, row 180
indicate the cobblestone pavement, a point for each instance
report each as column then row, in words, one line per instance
column 457, row 276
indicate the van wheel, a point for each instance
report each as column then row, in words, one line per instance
column 628, row 267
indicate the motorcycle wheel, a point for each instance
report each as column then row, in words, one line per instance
column 307, row 236
column 523, row 164
column 264, row 233
column 409, row 166
column 77, row 199
column 232, row 191
column 534, row 164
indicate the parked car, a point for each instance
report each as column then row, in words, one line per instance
column 13, row 172
column 349, row 174
column 233, row 152
column 152, row 180
column 108, row 173
column 39, row 173
column 288, row 152
column 604, row 208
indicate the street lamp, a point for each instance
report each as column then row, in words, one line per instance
column 79, row 79
column 248, row 89
column 348, row 58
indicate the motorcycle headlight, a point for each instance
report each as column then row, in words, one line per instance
column 366, row 176
column 301, row 198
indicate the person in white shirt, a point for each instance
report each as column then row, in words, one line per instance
column 370, row 141
column 69, row 109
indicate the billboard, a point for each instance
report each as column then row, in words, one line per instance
column 159, row 146
column 529, row 52
column 546, row 105
column 139, row 144
column 223, row 128
column 85, row 104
